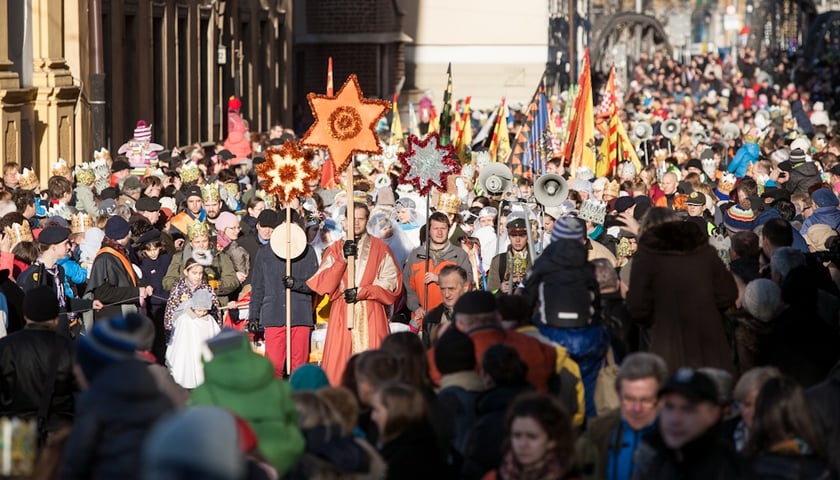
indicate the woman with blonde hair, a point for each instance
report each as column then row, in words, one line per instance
column 400, row 413
column 331, row 453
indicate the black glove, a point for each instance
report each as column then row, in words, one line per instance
column 350, row 249
column 288, row 281
column 350, row 295
column 254, row 326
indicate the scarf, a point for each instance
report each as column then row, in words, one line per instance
column 59, row 287
column 107, row 242
column 547, row 469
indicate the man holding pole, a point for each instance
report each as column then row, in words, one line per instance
column 377, row 284
column 268, row 307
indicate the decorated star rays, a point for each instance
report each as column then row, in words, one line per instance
column 286, row 172
column 346, row 123
column 427, row 164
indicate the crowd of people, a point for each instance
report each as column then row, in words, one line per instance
column 677, row 318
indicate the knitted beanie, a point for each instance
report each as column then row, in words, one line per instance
column 108, row 342
column 568, row 228
column 737, row 219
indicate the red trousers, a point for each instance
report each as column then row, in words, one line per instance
column 275, row 347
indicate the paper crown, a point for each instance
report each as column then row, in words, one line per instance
column 60, row 168
column 612, row 188
column 59, row 210
column 20, row 232
column 198, row 229
column 593, row 211
column 234, row 104
column 448, row 203
column 727, row 182
column 270, row 200
column 481, row 158
column 627, row 168
column 101, row 155
column 210, row 193
column 190, row 173
column 85, row 175
column 80, row 223
column 143, row 131
column 28, row 180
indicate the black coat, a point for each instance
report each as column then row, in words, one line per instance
column 14, row 300
column 707, row 457
column 268, row 296
column 485, row 443
column 824, row 399
column 414, row 455
column 775, row 466
column 111, row 284
column 24, row 369
column 113, row 418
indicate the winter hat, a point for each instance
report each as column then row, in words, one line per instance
column 53, row 235
column 582, row 186
column 454, row 352
column 568, row 228
column 825, row 198
column 763, row 299
column 212, row 439
column 108, row 342
column 623, row 203
column 117, row 228
column 695, row 386
column 797, row 155
column 147, row 204
column 817, row 236
column 475, row 302
column 801, row 143
column 106, row 207
column 141, row 329
column 40, row 304
column 737, row 219
column 201, row 299
column 308, row 377
column 225, row 220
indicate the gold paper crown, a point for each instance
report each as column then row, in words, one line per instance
column 190, row 172
column 80, row 222
column 210, row 193
column 20, row 233
column 612, row 188
column 727, row 182
column 448, row 203
column 270, row 200
column 198, row 229
column 85, row 174
column 60, row 168
column 28, row 180
column 102, row 155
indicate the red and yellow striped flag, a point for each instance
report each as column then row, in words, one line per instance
column 579, row 146
column 494, row 141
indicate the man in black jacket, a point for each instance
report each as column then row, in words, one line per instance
column 33, row 358
column 688, row 442
column 268, row 302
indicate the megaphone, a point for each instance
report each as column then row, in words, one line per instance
column 643, row 131
column 730, row 131
column 551, row 190
column 495, row 178
column 762, row 119
column 670, row 129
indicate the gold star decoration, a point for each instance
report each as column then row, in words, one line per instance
column 286, row 172
column 345, row 124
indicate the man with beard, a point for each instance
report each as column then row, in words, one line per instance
column 212, row 199
column 218, row 267
column 113, row 281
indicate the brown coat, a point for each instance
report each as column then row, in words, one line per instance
column 679, row 287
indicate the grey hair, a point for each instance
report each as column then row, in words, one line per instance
column 762, row 299
column 752, row 380
column 640, row 365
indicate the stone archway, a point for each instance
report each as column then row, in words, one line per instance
column 623, row 38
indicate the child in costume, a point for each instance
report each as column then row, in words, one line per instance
column 188, row 347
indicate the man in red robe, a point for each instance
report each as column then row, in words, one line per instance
column 378, row 285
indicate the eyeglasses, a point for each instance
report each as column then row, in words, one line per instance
column 235, row 227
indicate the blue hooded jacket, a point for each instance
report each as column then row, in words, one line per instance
column 744, row 157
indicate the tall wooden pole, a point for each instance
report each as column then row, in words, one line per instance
column 288, row 290
column 351, row 262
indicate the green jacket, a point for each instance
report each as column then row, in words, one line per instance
column 592, row 448
column 243, row 382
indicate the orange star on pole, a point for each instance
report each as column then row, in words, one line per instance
column 345, row 124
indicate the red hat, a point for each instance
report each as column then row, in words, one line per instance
column 234, row 104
